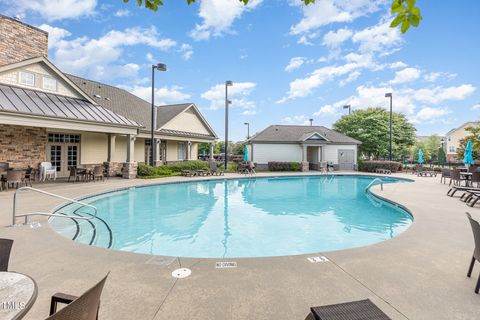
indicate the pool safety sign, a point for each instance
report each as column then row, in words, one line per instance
column 225, row 264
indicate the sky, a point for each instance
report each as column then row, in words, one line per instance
column 289, row 63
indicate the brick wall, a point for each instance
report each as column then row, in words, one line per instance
column 19, row 41
column 22, row 146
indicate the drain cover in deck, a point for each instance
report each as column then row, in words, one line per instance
column 181, row 273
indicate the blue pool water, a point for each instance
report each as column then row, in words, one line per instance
column 239, row 218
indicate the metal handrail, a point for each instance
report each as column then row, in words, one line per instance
column 26, row 215
column 373, row 181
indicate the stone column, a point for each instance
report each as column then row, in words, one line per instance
column 212, row 147
column 156, row 156
column 304, row 159
column 130, row 166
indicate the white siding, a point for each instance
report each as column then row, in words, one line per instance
column 264, row 153
column 93, row 148
column 139, row 150
column 187, row 121
column 331, row 152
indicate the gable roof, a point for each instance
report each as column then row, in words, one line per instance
column 298, row 134
column 466, row 124
column 129, row 105
column 53, row 68
column 38, row 103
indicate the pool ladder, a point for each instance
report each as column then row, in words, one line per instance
column 373, row 181
column 62, row 215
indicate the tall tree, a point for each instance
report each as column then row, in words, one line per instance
column 405, row 11
column 475, row 137
column 371, row 126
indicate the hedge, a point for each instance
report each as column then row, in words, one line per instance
column 284, row 166
column 170, row 169
column 372, row 166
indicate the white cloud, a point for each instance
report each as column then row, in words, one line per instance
column 476, row 106
column 351, row 77
column 406, row 75
column 324, row 12
column 122, row 13
column 56, row 9
column 218, row 17
column 397, row 65
column 186, row 50
column 163, row 95
column 299, row 120
column 326, row 110
column 334, row 39
column 429, row 115
column 439, row 94
column 238, row 94
column 434, row 76
column 295, row 63
column 55, row 34
column 380, row 38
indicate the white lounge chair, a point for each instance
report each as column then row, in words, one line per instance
column 47, row 170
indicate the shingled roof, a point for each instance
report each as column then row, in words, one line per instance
column 297, row 134
column 127, row 104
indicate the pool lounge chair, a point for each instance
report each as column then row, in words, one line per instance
column 476, row 252
column 472, row 198
column 214, row 171
column 354, row 310
column 455, row 188
column 84, row 307
column 188, row 173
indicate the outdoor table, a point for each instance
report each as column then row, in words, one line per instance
column 18, row 292
column 466, row 176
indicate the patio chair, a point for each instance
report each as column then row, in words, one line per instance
column 251, row 167
column 214, row 171
column 455, row 177
column 475, row 179
column 445, row 174
column 84, row 307
column 5, row 249
column 14, row 178
column 98, row 173
column 48, row 170
column 28, row 176
column 354, row 310
column 476, row 252
column 73, row 174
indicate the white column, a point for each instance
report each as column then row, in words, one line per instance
column 304, row 153
column 189, row 150
column 156, row 156
column 131, row 148
column 212, row 146
column 111, row 147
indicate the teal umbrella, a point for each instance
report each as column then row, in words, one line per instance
column 468, row 155
column 420, row 156
column 245, row 153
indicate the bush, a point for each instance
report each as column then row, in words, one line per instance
column 188, row 165
column 232, row 166
column 145, row 170
column 372, row 166
column 284, row 166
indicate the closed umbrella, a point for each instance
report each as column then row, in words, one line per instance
column 420, row 156
column 468, row 154
column 245, row 153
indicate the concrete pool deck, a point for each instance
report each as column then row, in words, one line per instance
column 420, row 274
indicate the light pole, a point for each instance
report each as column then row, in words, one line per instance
column 389, row 95
column 349, row 107
column 159, row 67
column 248, row 129
column 311, row 122
column 228, row 83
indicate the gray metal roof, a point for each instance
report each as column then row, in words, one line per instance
column 297, row 134
column 39, row 103
column 169, row 132
column 127, row 104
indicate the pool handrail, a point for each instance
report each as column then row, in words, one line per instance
column 373, row 181
column 26, row 215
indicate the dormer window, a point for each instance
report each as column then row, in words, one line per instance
column 49, row 83
column 26, row 78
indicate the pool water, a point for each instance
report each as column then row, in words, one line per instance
column 253, row 217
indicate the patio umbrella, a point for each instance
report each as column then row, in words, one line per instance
column 467, row 155
column 420, row 156
column 245, row 153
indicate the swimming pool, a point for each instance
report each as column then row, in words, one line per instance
column 252, row 217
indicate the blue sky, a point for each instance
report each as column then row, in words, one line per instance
column 288, row 62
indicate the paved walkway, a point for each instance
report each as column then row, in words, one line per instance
column 420, row 274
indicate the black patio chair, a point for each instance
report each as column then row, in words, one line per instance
column 5, row 249
column 476, row 252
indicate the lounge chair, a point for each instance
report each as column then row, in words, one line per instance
column 472, row 198
column 214, row 171
column 251, row 167
column 188, row 173
column 354, row 310
column 5, row 249
column 476, row 252
column 84, row 307
column 445, row 174
column 455, row 188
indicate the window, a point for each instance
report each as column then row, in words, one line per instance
column 451, row 149
column 49, row 83
column 26, row 78
column 60, row 137
column 182, row 151
column 449, row 139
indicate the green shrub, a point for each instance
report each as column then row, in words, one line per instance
column 145, row 170
column 232, row 166
column 373, row 165
column 284, row 166
column 188, row 165
column 295, row 166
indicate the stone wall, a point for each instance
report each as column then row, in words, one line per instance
column 20, row 41
column 22, row 146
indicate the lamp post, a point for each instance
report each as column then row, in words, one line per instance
column 311, row 121
column 349, row 107
column 228, row 83
column 159, row 67
column 248, row 129
column 389, row 95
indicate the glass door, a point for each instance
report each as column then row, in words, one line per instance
column 56, row 157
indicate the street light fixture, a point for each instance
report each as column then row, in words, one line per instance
column 349, row 107
column 389, row 95
column 159, row 67
column 248, row 129
column 228, row 83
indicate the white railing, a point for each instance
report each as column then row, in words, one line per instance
column 26, row 215
column 373, row 181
